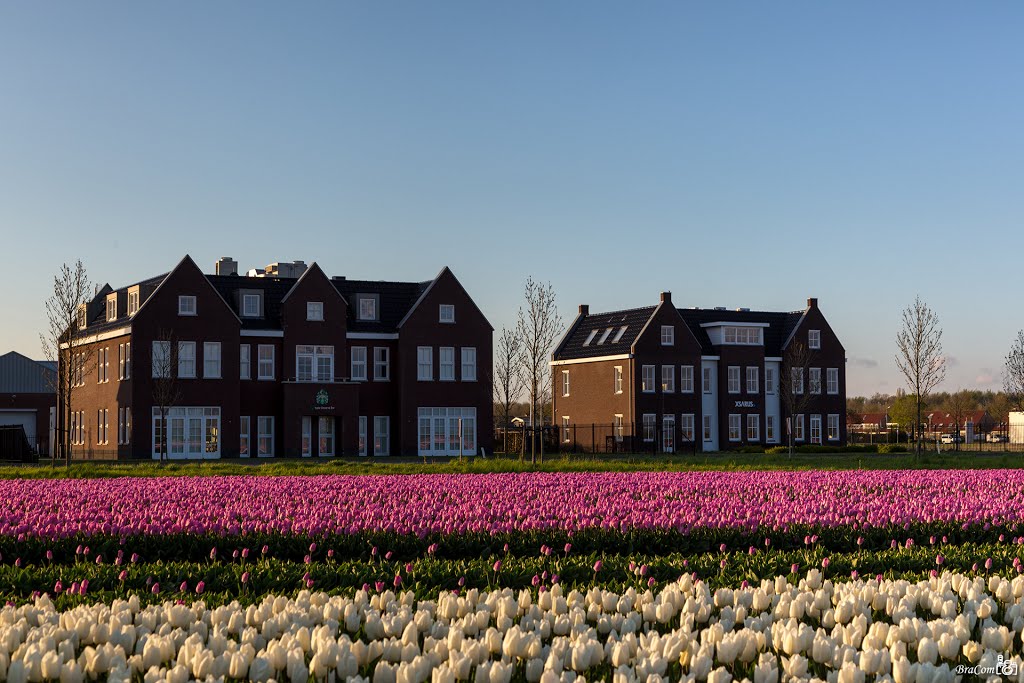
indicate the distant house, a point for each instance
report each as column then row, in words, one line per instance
column 27, row 396
column 970, row 423
column 869, row 423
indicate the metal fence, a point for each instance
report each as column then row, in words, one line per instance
column 1001, row 438
column 593, row 438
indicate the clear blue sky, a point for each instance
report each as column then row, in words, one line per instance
column 738, row 154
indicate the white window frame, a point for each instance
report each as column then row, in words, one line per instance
column 565, row 383
column 733, row 386
column 362, row 435
column 381, row 437
column 668, row 335
column 769, row 428
column 832, row 380
column 753, row 427
column 326, row 436
column 815, row 380
column 315, row 311
column 381, row 364
column 425, row 363
column 252, row 305
column 111, row 308
column 446, row 314
column 367, row 307
column 590, row 337
column 617, row 379
column 650, row 426
column 618, row 335
column 668, row 433
column 211, row 352
column 668, row 379
column 686, row 379
column 735, row 427
column 833, row 427
column 447, row 431
column 742, row 336
column 647, row 379
column 265, row 363
column 707, row 428
column 707, row 386
column 769, row 381
column 244, row 437
column 187, row 305
column 265, row 436
column 797, row 375
column 186, row 357
column 814, row 339
column 127, row 360
column 245, row 361
column 816, row 423
column 566, row 429
column 752, row 379
column 446, row 364
column 468, row 369
column 798, row 427
column 133, row 303
column 617, row 427
column 306, row 442
column 313, row 355
column 161, row 359
column 687, row 425
column 120, row 361
column 357, row 367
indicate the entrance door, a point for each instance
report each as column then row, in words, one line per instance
column 326, row 434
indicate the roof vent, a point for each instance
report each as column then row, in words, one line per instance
column 721, row 308
column 743, row 310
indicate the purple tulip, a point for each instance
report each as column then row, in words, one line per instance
column 245, row 577
column 597, row 566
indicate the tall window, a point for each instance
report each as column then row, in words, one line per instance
column 120, row 361
column 251, row 307
column 769, row 380
column 120, row 425
column 447, row 313
column 832, row 375
column 566, row 429
column 707, row 428
column 815, row 428
column 752, row 380
column 686, row 427
column 753, row 428
column 798, row 427
column 668, row 335
column 381, row 435
column 245, row 369
column 814, row 339
column 211, row 360
column 706, row 376
column 668, row 433
column 367, row 308
column 833, row 428
column 447, row 431
column 111, row 309
column 447, row 363
column 734, row 427
column 186, row 305
column 565, row 382
column 127, row 425
column 647, row 378
column 425, row 363
column 314, row 363
column 326, row 435
column 186, row 360
column 650, row 423
column 815, row 380
column 362, row 435
column 686, row 379
column 359, row 363
column 265, row 444
column 468, row 363
column 617, row 379
column 305, row 449
column 128, row 360
column 243, row 436
column 668, row 378
column 102, row 364
column 769, row 427
column 314, row 310
column 734, row 379
column 133, row 302
column 381, row 363
column 190, row 432
column 798, row 380
column 161, row 359
column 266, row 361
column 617, row 426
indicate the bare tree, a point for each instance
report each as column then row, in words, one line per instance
column 919, row 353
column 794, row 391
column 61, row 343
column 536, row 328
column 508, row 365
column 958, row 405
column 1013, row 373
column 166, row 392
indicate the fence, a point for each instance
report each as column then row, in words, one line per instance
column 16, row 447
column 1001, row 438
column 593, row 438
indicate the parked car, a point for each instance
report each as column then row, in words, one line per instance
column 998, row 438
column 952, row 438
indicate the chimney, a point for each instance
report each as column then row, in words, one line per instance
column 812, row 303
column 584, row 309
column 666, row 297
column 226, row 266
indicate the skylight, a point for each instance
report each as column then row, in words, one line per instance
column 604, row 337
column 618, row 335
column 590, row 337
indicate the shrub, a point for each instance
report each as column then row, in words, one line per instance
column 776, row 450
column 892, row 448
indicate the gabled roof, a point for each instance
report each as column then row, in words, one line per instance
column 396, row 300
column 97, row 322
column 604, row 342
column 273, row 289
column 780, row 326
column 21, row 375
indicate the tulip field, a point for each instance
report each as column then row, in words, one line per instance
column 717, row 576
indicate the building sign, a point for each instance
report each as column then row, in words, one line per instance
column 745, row 404
column 322, row 401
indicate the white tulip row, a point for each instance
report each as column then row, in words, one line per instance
column 846, row 632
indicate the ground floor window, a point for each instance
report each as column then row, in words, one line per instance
column 446, row 431
column 798, row 427
column 243, row 436
column 187, row 432
column 668, row 433
column 265, row 440
column 769, row 428
column 566, row 429
column 734, row 427
column 381, row 435
column 686, row 427
column 307, row 428
column 815, row 428
column 362, row 435
column 833, row 428
column 753, row 427
column 326, row 436
column 650, row 422
column 707, row 428
column 618, row 428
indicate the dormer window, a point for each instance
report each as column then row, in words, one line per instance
column 314, row 310
column 112, row 308
column 186, row 305
column 447, row 314
column 251, row 306
column 743, row 335
column 368, row 306
column 133, row 302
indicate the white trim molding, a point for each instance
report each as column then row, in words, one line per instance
column 732, row 324
column 371, row 335
column 278, row 334
column 594, row 359
column 101, row 336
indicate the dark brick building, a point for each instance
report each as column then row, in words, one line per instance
column 284, row 361
column 673, row 379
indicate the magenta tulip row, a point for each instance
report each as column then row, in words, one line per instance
column 451, row 504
